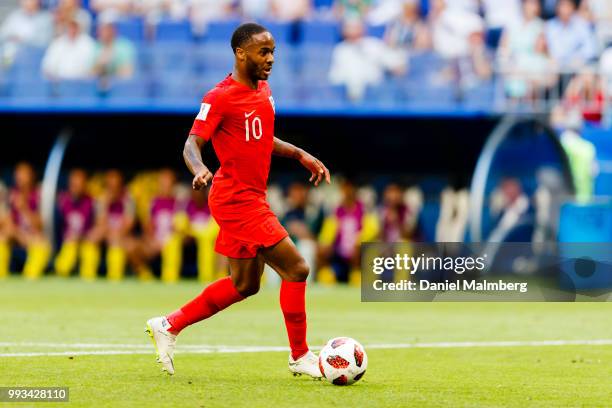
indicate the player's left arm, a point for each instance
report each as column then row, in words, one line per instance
column 317, row 169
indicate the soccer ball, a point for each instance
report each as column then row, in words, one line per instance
column 343, row 361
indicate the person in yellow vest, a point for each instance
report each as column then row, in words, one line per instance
column 203, row 230
column 160, row 236
column 340, row 238
column 5, row 251
column 115, row 219
column 77, row 213
column 23, row 225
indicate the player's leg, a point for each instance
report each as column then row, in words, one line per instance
column 244, row 280
column 285, row 259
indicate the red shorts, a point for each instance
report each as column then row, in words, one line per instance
column 243, row 233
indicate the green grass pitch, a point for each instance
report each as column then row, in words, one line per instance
column 70, row 317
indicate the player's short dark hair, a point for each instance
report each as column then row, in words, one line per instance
column 244, row 32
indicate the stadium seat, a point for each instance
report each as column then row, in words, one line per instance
column 602, row 139
column 585, row 223
column 129, row 90
column 383, row 95
column 173, row 31
column 221, row 31
column 29, row 57
column 424, row 65
column 213, row 58
column 481, row 96
column 323, row 3
column 35, row 87
column 26, row 65
column 81, row 89
column 166, row 58
column 320, row 32
column 131, row 28
column 376, row 31
column 281, row 31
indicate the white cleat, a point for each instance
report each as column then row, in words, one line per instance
column 307, row 364
column 163, row 341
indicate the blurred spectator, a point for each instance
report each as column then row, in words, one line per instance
column 470, row 6
column 599, row 12
column 123, row 7
column 523, row 56
column 67, row 12
column 24, row 202
column 26, row 228
column 254, row 9
column 76, row 209
column 290, row 11
column 605, row 69
column 159, row 234
column 114, row 56
column 28, row 25
column 341, row 235
column 70, row 56
column 302, row 224
column 352, row 9
column 202, row 12
column 584, row 97
column 395, row 216
column 204, row 230
column 115, row 220
column 509, row 204
column 5, row 250
column 458, row 37
column 359, row 61
column 156, row 10
column 453, row 216
column 499, row 14
column 570, row 39
column 407, row 32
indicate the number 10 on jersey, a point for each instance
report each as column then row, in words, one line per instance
column 253, row 127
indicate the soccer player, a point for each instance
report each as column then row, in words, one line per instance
column 238, row 116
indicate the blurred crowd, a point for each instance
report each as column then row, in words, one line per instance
column 541, row 49
column 155, row 226
column 107, row 226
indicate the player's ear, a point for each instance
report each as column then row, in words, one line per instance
column 240, row 54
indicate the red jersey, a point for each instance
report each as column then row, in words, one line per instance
column 240, row 122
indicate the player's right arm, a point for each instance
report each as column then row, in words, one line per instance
column 192, row 153
column 204, row 126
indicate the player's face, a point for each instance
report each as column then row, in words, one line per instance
column 24, row 177
column 393, row 195
column 76, row 183
column 259, row 56
column 297, row 195
column 114, row 184
column 166, row 183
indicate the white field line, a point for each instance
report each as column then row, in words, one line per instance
column 86, row 349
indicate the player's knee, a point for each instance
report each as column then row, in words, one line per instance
column 247, row 288
column 300, row 272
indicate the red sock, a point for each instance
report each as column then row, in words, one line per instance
column 215, row 297
column 293, row 305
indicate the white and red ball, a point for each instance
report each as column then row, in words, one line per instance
column 343, row 361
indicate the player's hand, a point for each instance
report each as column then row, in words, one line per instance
column 317, row 169
column 202, row 178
